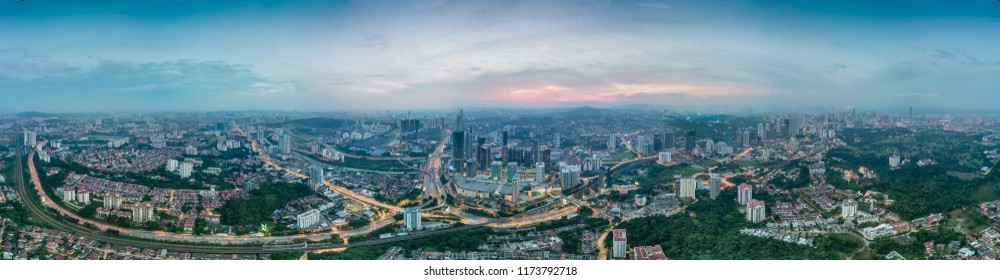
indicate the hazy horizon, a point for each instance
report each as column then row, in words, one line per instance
column 354, row 55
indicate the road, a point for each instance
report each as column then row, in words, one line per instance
column 339, row 189
column 43, row 216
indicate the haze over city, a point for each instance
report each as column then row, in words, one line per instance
column 67, row 56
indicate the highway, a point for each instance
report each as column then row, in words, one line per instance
column 43, row 216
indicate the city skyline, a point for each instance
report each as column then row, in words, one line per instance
column 181, row 56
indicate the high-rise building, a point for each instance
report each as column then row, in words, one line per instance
column 172, row 165
column 745, row 193
column 185, row 169
column 569, row 176
column 113, row 201
column 496, row 170
column 658, row 142
column 69, row 194
column 665, row 157
column 619, row 244
column 190, row 150
column 668, row 140
column 745, row 135
column 848, row 208
column 30, row 138
column 515, row 193
column 307, row 219
column 686, row 187
column 458, row 144
column 714, row 185
column 557, row 140
column 83, row 197
column 285, row 144
column 755, row 211
column 540, row 172
column 894, row 161
column 412, row 219
column 143, row 212
column 503, row 138
column 315, row 177
column 511, row 172
column 612, row 142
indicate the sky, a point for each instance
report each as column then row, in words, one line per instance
column 125, row 56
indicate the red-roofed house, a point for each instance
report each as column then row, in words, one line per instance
column 649, row 253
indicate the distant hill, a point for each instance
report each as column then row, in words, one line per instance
column 316, row 123
column 33, row 114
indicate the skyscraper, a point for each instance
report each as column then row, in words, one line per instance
column 285, row 144
column 458, row 145
column 668, row 140
column 658, row 142
column 315, row 177
column 539, row 172
column 714, row 185
column 689, row 138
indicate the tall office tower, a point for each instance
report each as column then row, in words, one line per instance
column 482, row 156
column 686, row 187
column 911, row 113
column 458, row 145
column 459, row 125
column 657, row 142
column 609, row 181
column 755, row 211
column 761, row 133
column 503, row 138
column 545, row 155
column 411, row 218
column 745, row 193
column 469, row 144
column 668, row 140
column 619, row 244
column 315, row 177
column 260, row 137
column 540, row 172
column 285, row 144
column 714, row 185
column 689, row 138
column 557, row 140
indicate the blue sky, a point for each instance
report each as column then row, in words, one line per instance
column 87, row 56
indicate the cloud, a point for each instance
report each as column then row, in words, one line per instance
column 123, row 85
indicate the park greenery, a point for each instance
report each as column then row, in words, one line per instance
column 710, row 230
column 258, row 208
